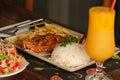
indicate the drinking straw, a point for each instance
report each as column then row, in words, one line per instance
column 113, row 4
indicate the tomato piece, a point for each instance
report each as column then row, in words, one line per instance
column 1, row 69
column 17, row 64
column 8, row 60
column 11, row 49
column 55, row 77
column 91, row 71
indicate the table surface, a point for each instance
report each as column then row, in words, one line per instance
column 10, row 14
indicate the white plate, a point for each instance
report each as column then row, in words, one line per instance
column 24, row 65
column 46, row 57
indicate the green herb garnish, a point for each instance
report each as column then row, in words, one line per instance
column 116, row 57
column 68, row 41
column 3, row 57
column 38, row 68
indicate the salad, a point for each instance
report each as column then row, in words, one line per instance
column 10, row 60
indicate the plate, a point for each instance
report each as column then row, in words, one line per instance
column 24, row 65
column 46, row 56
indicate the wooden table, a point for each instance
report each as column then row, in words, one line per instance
column 10, row 14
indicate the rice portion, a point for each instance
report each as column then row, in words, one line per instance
column 70, row 56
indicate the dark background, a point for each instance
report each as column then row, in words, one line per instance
column 70, row 12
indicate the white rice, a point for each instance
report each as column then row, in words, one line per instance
column 70, row 56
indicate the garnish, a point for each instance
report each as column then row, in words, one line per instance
column 3, row 57
column 116, row 57
column 38, row 68
column 68, row 41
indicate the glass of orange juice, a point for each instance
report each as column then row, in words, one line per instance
column 100, row 43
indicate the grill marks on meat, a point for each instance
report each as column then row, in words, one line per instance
column 44, row 43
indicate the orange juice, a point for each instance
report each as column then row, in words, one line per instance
column 100, row 44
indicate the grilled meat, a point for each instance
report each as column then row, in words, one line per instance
column 44, row 43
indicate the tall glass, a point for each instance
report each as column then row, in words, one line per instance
column 100, row 43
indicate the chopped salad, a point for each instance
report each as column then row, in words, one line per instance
column 10, row 60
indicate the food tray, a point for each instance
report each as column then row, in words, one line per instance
column 46, row 56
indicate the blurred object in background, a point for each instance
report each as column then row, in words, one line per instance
column 73, row 13
column 9, row 1
column 28, row 4
column 107, row 3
